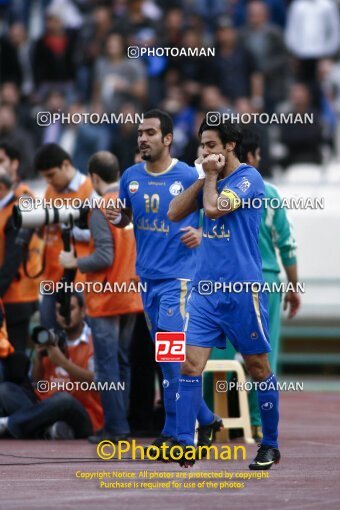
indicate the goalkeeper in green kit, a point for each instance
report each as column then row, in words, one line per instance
column 276, row 235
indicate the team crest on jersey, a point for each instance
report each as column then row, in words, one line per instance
column 176, row 188
column 133, row 186
column 244, row 184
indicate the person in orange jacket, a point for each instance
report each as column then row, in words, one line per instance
column 111, row 311
column 64, row 182
column 65, row 407
column 18, row 292
column 19, row 306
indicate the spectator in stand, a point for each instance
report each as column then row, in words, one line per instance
column 68, row 11
column 265, row 44
column 209, row 11
column 190, row 149
column 81, row 140
column 10, row 96
column 155, row 65
column 312, row 33
column 176, row 103
column 14, row 134
column 276, row 11
column 196, row 69
column 173, row 26
column 124, row 137
column 10, row 160
column 64, row 414
column 213, row 100
column 23, row 47
column 91, row 44
column 10, row 69
column 55, row 102
column 234, row 70
column 54, row 56
column 140, row 14
column 118, row 76
column 328, row 74
column 303, row 142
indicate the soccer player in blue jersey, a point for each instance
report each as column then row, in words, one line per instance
column 228, row 254
column 166, row 254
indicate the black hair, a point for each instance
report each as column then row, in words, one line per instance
column 105, row 164
column 227, row 132
column 167, row 126
column 10, row 150
column 49, row 156
column 250, row 142
column 78, row 295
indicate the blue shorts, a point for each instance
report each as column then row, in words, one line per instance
column 164, row 304
column 242, row 317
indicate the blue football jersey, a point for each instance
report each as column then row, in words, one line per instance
column 229, row 250
column 160, row 253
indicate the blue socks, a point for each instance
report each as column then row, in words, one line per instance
column 188, row 406
column 171, row 374
column 170, row 389
column 205, row 416
column 268, row 399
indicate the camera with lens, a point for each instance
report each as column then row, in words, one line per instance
column 41, row 216
column 49, row 337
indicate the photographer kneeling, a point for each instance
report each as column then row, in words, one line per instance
column 61, row 359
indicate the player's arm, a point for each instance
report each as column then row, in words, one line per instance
column 185, row 203
column 119, row 217
column 76, row 372
column 292, row 300
column 215, row 204
column 286, row 244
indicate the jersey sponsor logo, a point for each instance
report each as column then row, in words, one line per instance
column 170, row 346
column 267, row 406
column 244, row 184
column 133, row 186
column 176, row 188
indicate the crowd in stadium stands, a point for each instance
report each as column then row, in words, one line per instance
column 70, row 56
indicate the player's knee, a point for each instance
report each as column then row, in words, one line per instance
column 258, row 370
column 189, row 367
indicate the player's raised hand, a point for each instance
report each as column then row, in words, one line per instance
column 292, row 303
column 213, row 163
column 192, row 237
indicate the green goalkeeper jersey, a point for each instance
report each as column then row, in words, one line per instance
column 276, row 234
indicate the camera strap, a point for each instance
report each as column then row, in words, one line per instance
column 25, row 259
